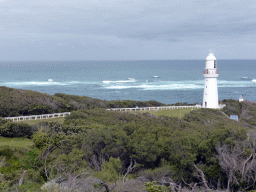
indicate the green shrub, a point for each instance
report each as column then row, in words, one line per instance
column 2, row 121
column 40, row 139
column 10, row 129
column 153, row 187
column 110, row 170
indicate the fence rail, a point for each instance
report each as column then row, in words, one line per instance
column 156, row 108
column 36, row 117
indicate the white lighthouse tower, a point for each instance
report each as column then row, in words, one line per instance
column 210, row 98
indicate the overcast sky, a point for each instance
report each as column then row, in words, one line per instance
column 127, row 29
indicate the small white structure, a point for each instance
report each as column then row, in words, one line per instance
column 241, row 98
column 210, row 98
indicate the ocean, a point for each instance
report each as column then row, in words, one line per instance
column 166, row 81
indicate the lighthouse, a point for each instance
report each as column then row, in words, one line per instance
column 210, row 98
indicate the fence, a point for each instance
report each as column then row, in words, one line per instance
column 156, row 108
column 36, row 117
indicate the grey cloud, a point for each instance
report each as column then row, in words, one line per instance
column 123, row 25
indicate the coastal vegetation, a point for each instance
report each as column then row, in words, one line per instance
column 15, row 102
column 98, row 150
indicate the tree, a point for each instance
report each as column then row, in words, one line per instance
column 238, row 161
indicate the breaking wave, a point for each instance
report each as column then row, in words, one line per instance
column 179, row 85
column 43, row 83
column 130, row 80
column 132, row 84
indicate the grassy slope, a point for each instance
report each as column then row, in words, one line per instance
column 179, row 113
column 16, row 142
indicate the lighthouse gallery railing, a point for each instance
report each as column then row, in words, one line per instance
column 210, row 72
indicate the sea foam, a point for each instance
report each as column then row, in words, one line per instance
column 132, row 84
column 178, row 85
column 130, row 80
column 43, row 83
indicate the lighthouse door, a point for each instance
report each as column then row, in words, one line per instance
column 205, row 104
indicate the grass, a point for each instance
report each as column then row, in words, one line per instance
column 16, row 142
column 33, row 122
column 179, row 113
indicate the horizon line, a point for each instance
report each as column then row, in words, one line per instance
column 118, row 60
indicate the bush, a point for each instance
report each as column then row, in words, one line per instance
column 76, row 115
column 40, row 140
column 10, row 129
column 153, row 187
column 2, row 121
column 110, row 170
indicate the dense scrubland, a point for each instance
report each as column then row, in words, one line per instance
column 15, row 102
column 98, row 150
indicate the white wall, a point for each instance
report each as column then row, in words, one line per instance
column 211, row 93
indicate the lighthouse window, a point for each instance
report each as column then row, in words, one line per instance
column 206, row 86
column 215, row 64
